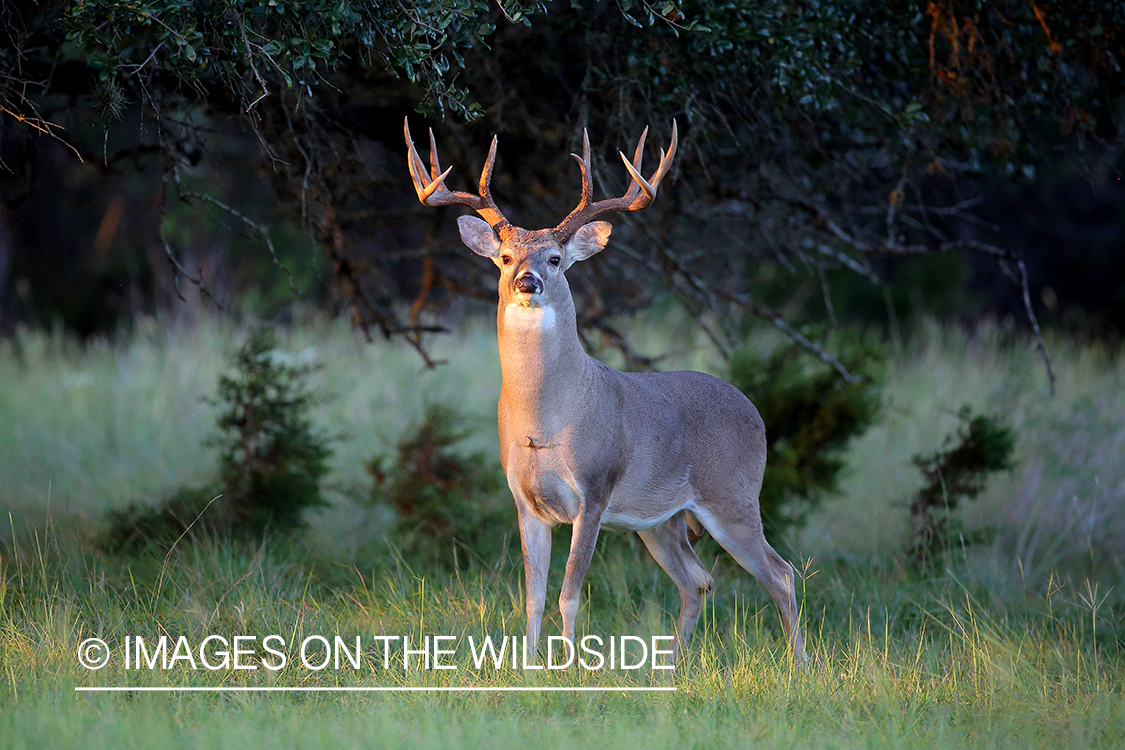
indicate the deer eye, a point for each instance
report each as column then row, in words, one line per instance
column 505, row 259
column 554, row 260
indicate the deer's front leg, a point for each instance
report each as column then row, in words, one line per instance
column 535, row 539
column 582, row 542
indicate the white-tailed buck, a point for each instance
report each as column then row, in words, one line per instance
column 584, row 444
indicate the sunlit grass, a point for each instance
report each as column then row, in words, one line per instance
column 936, row 667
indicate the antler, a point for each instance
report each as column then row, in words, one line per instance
column 432, row 192
column 640, row 194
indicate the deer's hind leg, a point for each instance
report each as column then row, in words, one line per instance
column 738, row 528
column 669, row 545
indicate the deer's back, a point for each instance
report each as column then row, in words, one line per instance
column 710, row 417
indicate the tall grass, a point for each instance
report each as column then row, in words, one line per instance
column 1064, row 504
column 1017, row 645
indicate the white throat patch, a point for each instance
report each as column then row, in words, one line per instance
column 523, row 317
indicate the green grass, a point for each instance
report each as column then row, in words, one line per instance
column 1019, row 644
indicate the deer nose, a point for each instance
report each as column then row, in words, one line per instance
column 527, row 283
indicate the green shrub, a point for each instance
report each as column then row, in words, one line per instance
column 271, row 460
column 450, row 508
column 811, row 414
column 956, row 472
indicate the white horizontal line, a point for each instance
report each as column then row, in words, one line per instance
column 369, row 689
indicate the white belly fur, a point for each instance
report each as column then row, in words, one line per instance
column 616, row 518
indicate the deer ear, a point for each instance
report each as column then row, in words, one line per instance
column 478, row 235
column 588, row 241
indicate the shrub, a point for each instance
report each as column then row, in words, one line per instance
column 956, row 472
column 271, row 461
column 811, row 414
column 450, row 508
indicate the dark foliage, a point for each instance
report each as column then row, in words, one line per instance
column 811, row 415
column 835, row 139
column 450, row 508
column 140, row 526
column 956, row 472
column 271, row 460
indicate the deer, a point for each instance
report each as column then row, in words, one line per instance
column 584, row 444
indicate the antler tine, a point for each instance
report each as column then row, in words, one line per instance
column 435, row 185
column 486, row 174
column 639, row 154
column 638, row 195
column 413, row 161
column 666, row 159
column 638, row 182
column 435, row 166
column 587, row 177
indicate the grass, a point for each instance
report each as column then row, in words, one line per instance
column 1015, row 645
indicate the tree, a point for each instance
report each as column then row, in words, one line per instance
column 822, row 140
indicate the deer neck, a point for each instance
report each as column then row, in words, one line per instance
column 542, row 363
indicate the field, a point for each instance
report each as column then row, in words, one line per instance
column 1020, row 643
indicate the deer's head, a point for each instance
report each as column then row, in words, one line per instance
column 532, row 263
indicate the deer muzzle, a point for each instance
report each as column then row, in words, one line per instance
column 529, row 283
